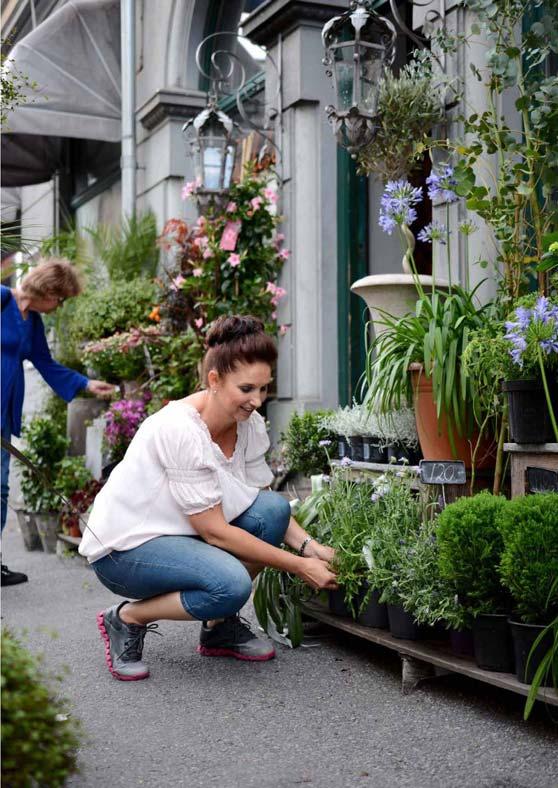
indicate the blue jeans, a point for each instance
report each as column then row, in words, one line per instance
column 4, row 474
column 212, row 583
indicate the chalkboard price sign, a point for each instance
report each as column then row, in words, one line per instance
column 442, row 472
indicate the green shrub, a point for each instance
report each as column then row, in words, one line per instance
column 45, row 446
column 529, row 565
column 118, row 307
column 128, row 251
column 303, row 453
column 39, row 740
column 71, row 476
column 470, row 548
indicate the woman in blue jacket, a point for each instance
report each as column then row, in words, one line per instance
column 41, row 291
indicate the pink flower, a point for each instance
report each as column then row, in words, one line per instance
column 271, row 288
column 233, row 260
column 201, row 221
column 274, row 315
column 190, row 188
column 284, row 254
column 279, row 238
column 271, row 195
column 256, row 202
column 198, row 322
column 207, row 253
column 201, row 241
column 177, row 281
column 231, row 207
column 197, row 272
column 283, row 330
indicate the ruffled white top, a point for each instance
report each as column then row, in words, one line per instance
column 172, row 469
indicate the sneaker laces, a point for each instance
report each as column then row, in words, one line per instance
column 133, row 645
column 241, row 629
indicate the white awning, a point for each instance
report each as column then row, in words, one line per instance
column 74, row 57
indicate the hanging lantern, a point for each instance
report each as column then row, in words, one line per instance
column 213, row 141
column 359, row 45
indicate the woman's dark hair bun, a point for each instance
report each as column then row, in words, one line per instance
column 228, row 329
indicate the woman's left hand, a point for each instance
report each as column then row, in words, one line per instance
column 101, row 389
column 317, row 550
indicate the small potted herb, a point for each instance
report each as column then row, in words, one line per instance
column 304, row 447
column 533, row 396
column 529, row 567
column 470, row 548
column 398, row 432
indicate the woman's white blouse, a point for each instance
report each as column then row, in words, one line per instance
column 173, row 469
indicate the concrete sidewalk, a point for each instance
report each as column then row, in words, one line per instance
column 329, row 716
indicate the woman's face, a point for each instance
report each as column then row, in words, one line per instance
column 45, row 304
column 241, row 391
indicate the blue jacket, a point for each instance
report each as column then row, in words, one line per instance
column 25, row 339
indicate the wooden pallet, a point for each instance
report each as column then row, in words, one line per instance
column 421, row 658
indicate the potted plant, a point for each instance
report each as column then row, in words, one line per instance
column 544, row 657
column 398, row 434
column 338, row 423
column 305, row 443
column 71, row 476
column 529, row 568
column 45, row 446
column 532, row 338
column 397, row 514
column 417, row 359
column 122, row 422
column 470, row 548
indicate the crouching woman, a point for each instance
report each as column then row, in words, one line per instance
column 184, row 523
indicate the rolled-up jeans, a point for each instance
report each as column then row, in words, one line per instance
column 212, row 583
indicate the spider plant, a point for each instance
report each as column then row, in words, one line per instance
column 434, row 336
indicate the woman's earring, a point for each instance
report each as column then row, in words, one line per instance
column 215, row 391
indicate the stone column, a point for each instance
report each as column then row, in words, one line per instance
column 308, row 352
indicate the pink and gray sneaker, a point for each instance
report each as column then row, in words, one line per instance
column 123, row 645
column 234, row 638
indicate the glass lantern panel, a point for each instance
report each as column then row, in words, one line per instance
column 371, row 65
column 212, row 158
column 229, row 164
column 344, row 71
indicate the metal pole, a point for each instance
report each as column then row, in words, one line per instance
column 128, row 66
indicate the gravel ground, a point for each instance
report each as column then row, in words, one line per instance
column 328, row 716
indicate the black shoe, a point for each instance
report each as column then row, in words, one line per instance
column 10, row 578
column 234, row 638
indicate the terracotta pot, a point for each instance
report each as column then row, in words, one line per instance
column 434, row 437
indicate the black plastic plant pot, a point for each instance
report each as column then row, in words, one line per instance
column 402, row 625
column 461, row 642
column 337, row 604
column 524, row 636
column 493, row 643
column 374, row 614
column 372, row 451
column 357, row 449
column 529, row 417
column 343, row 448
column 398, row 453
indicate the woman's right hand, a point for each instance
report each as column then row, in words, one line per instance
column 317, row 574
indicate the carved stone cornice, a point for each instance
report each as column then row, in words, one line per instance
column 283, row 16
column 180, row 104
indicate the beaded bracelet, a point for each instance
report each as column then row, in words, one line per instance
column 304, row 545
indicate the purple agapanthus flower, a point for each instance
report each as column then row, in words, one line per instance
column 396, row 205
column 324, row 443
column 346, row 462
column 532, row 327
column 435, row 231
column 441, row 185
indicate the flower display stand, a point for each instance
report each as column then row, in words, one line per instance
column 422, row 659
column 524, row 456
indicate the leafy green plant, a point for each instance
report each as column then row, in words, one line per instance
column 529, row 562
column 436, row 337
column 175, row 361
column 422, row 590
column 548, row 665
column 71, row 475
column 113, row 359
column 303, row 439
column 39, row 738
column 130, row 250
column 108, row 310
column 396, row 515
column 470, row 548
column 408, row 106
column 45, row 447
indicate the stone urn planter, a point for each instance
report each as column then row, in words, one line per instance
column 48, row 528
column 395, row 294
column 28, row 528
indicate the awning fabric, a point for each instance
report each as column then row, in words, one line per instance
column 74, row 57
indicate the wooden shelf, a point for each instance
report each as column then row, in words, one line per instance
column 431, row 652
column 532, row 448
